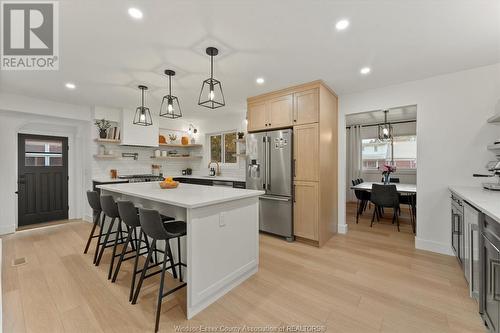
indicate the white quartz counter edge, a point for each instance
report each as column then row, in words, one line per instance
column 186, row 195
column 483, row 200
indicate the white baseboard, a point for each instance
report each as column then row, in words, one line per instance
column 342, row 229
column 87, row 218
column 427, row 245
column 8, row 229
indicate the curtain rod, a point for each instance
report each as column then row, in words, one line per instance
column 392, row 123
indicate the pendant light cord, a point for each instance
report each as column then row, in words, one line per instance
column 211, row 67
column 170, row 86
column 142, row 99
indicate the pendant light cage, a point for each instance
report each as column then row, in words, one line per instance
column 211, row 94
column 142, row 115
column 385, row 130
column 170, row 106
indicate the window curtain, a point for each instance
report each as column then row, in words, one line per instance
column 353, row 158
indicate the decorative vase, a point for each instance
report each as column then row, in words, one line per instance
column 103, row 134
column 387, row 178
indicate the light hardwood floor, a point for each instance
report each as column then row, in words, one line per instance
column 371, row 280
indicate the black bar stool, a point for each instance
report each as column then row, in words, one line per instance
column 156, row 229
column 95, row 204
column 129, row 214
column 110, row 208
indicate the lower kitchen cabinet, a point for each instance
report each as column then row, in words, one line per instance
column 306, row 210
column 490, row 269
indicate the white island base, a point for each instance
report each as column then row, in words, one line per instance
column 221, row 248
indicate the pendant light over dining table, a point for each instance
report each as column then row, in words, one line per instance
column 385, row 129
column 142, row 115
column 211, row 95
column 170, row 107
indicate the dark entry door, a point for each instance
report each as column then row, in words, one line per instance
column 42, row 179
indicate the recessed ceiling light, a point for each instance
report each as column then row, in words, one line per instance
column 135, row 13
column 70, row 85
column 260, row 80
column 365, row 70
column 342, row 24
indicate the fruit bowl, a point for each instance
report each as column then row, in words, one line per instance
column 167, row 185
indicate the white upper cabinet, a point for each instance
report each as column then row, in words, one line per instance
column 136, row 135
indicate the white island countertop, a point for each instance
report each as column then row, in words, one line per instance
column 185, row 195
column 486, row 201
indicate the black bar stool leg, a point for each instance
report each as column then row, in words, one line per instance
column 122, row 255
column 111, row 264
column 160, row 293
column 105, row 241
column 97, row 216
column 143, row 273
column 179, row 257
column 168, row 253
column 134, row 273
column 99, row 238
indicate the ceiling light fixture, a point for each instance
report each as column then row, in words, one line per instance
column 170, row 107
column 135, row 13
column 342, row 24
column 260, row 80
column 70, row 85
column 211, row 87
column 142, row 115
column 365, row 70
column 385, row 129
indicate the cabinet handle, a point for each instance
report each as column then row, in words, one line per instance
column 269, row 124
column 293, row 193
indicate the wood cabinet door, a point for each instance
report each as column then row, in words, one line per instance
column 306, row 210
column 256, row 116
column 306, row 107
column 280, row 111
column 306, row 152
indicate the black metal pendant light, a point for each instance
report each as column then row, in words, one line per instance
column 142, row 115
column 385, row 129
column 211, row 95
column 170, row 107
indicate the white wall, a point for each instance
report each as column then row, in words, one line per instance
column 452, row 137
column 19, row 114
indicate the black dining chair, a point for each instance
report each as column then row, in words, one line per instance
column 385, row 196
column 362, row 199
column 410, row 199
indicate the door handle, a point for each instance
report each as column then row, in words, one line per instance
column 17, row 192
column 268, row 164
column 266, row 197
column 293, row 193
column 294, row 167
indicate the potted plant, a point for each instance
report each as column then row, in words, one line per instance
column 172, row 138
column 387, row 169
column 102, row 126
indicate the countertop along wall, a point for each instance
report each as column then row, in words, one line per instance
column 452, row 110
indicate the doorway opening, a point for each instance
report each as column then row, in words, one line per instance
column 42, row 179
column 381, row 167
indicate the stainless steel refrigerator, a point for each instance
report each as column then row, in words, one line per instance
column 269, row 168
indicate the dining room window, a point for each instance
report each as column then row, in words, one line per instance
column 223, row 147
column 401, row 151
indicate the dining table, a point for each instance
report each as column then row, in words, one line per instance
column 401, row 188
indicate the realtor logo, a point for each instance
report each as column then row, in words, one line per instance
column 30, row 35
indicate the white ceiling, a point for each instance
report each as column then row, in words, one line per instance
column 107, row 54
column 403, row 113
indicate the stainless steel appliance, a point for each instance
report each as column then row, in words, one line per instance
column 471, row 251
column 269, row 168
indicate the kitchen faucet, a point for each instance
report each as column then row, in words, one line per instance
column 217, row 173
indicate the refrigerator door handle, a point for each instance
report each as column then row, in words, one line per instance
column 267, row 197
column 264, row 143
column 268, row 163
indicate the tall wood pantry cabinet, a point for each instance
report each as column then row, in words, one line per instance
column 311, row 109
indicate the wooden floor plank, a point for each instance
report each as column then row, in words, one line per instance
column 370, row 280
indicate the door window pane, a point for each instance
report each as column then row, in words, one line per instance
column 230, row 147
column 216, row 148
column 43, row 152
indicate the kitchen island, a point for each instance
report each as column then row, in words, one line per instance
column 221, row 248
